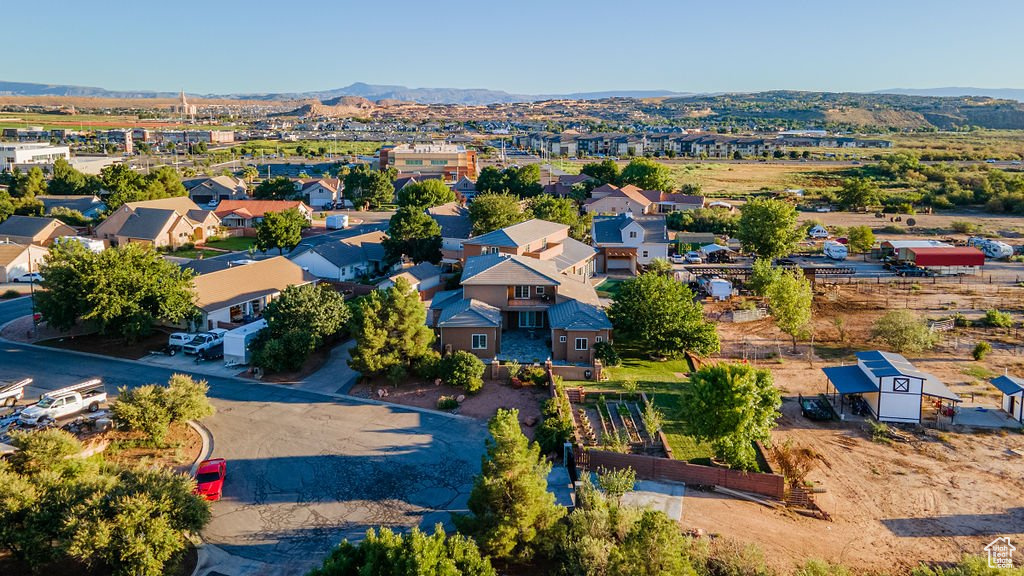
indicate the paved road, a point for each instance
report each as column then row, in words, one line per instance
column 305, row 469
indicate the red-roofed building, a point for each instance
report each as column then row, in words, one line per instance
column 249, row 213
column 946, row 257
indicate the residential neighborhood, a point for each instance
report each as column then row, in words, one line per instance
column 646, row 311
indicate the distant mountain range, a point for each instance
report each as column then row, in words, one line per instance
column 466, row 96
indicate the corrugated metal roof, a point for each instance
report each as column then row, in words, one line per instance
column 952, row 256
column 849, row 379
column 883, row 364
column 575, row 315
column 1009, row 385
column 469, row 313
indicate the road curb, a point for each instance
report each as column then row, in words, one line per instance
column 332, row 395
column 206, row 451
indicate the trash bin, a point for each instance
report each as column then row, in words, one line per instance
column 587, row 374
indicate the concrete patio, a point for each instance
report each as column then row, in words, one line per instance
column 519, row 346
column 984, row 417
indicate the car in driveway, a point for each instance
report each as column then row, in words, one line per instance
column 29, row 278
column 178, row 340
column 677, row 259
column 694, row 258
column 204, row 341
column 210, row 478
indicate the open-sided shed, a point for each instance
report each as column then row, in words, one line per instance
column 1013, row 395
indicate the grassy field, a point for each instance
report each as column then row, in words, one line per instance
column 268, row 147
column 664, row 383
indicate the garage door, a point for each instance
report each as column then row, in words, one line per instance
column 619, row 264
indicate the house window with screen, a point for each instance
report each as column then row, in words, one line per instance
column 522, row 293
column 632, row 233
column 597, row 339
column 479, row 341
column 581, row 343
column 561, row 339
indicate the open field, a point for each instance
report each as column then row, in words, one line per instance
column 942, row 494
column 291, row 148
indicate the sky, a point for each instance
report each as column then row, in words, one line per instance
column 519, row 46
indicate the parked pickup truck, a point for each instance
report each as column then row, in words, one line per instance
column 11, row 392
column 204, row 341
column 68, row 401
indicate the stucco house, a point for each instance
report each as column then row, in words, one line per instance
column 20, row 259
column 249, row 213
column 346, row 259
column 611, row 199
column 167, row 222
column 538, row 239
column 33, row 230
column 424, row 278
column 238, row 294
column 217, row 188
column 320, row 193
column 624, row 242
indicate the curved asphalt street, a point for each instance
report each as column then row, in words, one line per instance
column 304, row 469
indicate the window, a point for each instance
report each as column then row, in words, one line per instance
column 540, row 290
column 414, row 162
column 645, row 253
column 490, row 250
column 531, row 319
column 597, row 339
column 901, row 384
column 581, row 343
column 522, row 293
column 437, row 162
column 479, row 341
column 561, row 339
column 632, row 233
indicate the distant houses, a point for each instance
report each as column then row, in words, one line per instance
column 33, row 230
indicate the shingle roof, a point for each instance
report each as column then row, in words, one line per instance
column 469, row 313
column 255, row 208
column 28, row 226
column 519, row 234
column 1009, row 385
column 147, row 223
column 417, row 273
column 238, row 284
column 180, row 204
column 367, row 247
column 575, row 315
column 453, row 219
column 507, row 270
column 83, row 204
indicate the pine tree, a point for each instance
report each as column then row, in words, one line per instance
column 389, row 330
column 510, row 507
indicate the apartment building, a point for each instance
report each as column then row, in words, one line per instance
column 450, row 162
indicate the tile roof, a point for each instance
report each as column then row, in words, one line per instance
column 519, row 234
column 28, row 226
column 442, row 299
column 469, row 313
column 575, row 315
column 255, row 208
column 238, row 284
column 453, row 219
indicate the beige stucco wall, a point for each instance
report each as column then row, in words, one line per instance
column 462, row 339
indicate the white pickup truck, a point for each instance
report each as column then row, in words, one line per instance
column 68, row 401
column 205, row 341
column 11, row 392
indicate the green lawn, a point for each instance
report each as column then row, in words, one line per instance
column 610, row 287
column 659, row 380
column 235, row 243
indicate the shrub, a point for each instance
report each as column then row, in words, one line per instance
column 904, row 331
column 557, row 425
column 463, row 370
column 605, row 352
column 427, row 366
column 997, row 319
column 447, row 403
column 536, row 375
column 150, row 409
column 514, row 369
column 981, row 349
column 964, row 227
column 8, row 294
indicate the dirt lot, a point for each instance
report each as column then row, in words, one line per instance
column 935, row 498
column 482, row 405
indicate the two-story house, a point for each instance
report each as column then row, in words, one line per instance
column 624, row 241
column 538, row 239
column 511, row 305
column 611, row 199
column 320, row 193
column 216, row 188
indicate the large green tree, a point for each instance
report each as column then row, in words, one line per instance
column 417, row 553
column 520, row 181
column 370, row 188
column 425, row 194
column 390, row 330
column 299, row 321
column 859, row 193
column 29, row 184
column 489, row 212
column 790, row 297
column 662, row 317
column 123, row 290
column 768, row 228
column 563, row 211
column 647, row 174
column 510, row 507
column 122, row 185
column 860, row 238
column 6, row 205
column 276, row 188
column 606, row 171
column 413, row 233
column 731, row 406
column 904, row 331
column 281, row 230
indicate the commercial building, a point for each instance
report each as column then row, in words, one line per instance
column 30, row 154
column 450, row 162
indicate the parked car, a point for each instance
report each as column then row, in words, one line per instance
column 210, row 478
column 677, row 259
column 12, row 391
column 30, row 278
column 815, row 409
column 68, row 401
column 178, row 340
column 693, row 258
column 719, row 257
column 205, row 340
column 913, row 271
column 215, row 352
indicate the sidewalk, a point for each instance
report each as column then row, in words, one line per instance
column 335, row 377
